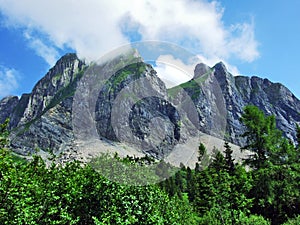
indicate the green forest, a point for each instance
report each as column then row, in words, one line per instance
column 262, row 189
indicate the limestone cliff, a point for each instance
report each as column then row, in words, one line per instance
column 125, row 101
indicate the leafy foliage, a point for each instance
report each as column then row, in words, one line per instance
column 294, row 221
column 34, row 193
column 298, row 134
column 109, row 190
column 4, row 134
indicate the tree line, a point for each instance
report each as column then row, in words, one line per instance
column 263, row 189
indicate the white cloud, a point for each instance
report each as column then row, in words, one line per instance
column 8, row 81
column 173, row 71
column 244, row 44
column 95, row 27
column 91, row 27
column 48, row 53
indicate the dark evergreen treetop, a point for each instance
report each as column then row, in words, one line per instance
column 261, row 134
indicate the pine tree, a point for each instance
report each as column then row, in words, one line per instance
column 201, row 151
column 229, row 160
column 203, row 158
column 298, row 136
column 218, row 161
column 190, row 184
column 261, row 135
column 275, row 189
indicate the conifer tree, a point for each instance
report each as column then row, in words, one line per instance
column 203, row 158
column 261, row 135
column 298, row 136
column 229, row 160
column 218, row 161
column 190, row 184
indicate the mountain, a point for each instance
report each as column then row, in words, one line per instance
column 42, row 119
column 232, row 94
column 121, row 105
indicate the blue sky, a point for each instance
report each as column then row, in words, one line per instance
column 252, row 37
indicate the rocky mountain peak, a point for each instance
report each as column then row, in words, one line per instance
column 219, row 70
column 67, row 58
column 62, row 71
column 59, row 77
column 200, row 70
column 223, row 76
column 220, row 66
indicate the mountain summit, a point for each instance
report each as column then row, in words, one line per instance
column 124, row 101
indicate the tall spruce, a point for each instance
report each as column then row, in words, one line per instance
column 229, row 160
column 298, row 136
column 190, row 184
column 262, row 136
column 203, row 158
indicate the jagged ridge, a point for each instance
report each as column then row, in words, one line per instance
column 43, row 118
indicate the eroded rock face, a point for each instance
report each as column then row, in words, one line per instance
column 132, row 105
column 157, row 125
column 41, row 120
column 220, row 98
column 7, row 106
column 206, row 96
column 51, row 131
column 272, row 98
column 46, row 91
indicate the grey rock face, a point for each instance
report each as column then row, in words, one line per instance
column 18, row 111
column 156, row 122
column 50, row 132
column 220, row 98
column 7, row 106
column 206, row 95
column 131, row 105
column 52, row 85
column 272, row 98
column 200, row 70
column 42, row 119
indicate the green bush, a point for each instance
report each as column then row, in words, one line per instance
column 294, row 221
